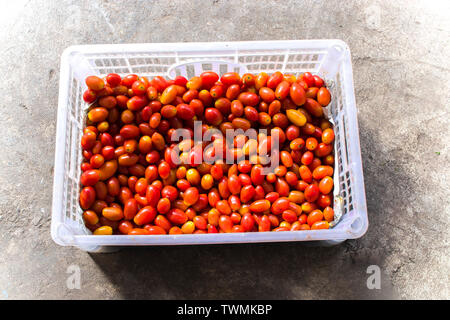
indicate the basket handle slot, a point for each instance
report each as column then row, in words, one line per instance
column 192, row 68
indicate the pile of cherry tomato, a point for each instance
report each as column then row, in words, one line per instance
column 131, row 186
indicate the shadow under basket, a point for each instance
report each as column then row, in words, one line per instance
column 329, row 59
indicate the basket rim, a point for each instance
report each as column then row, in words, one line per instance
column 201, row 46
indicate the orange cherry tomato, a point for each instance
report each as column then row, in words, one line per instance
column 323, row 96
column 326, row 185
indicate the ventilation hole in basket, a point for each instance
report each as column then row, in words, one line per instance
column 350, row 208
column 177, row 72
column 237, row 69
column 223, row 68
column 356, row 225
column 206, row 66
column 190, row 70
column 346, row 152
column 132, row 61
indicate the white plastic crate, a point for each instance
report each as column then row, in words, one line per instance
column 328, row 58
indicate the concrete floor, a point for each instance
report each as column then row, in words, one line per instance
column 401, row 67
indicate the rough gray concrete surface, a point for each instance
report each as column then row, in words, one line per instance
column 400, row 52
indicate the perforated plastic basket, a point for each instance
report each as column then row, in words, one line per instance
column 327, row 58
